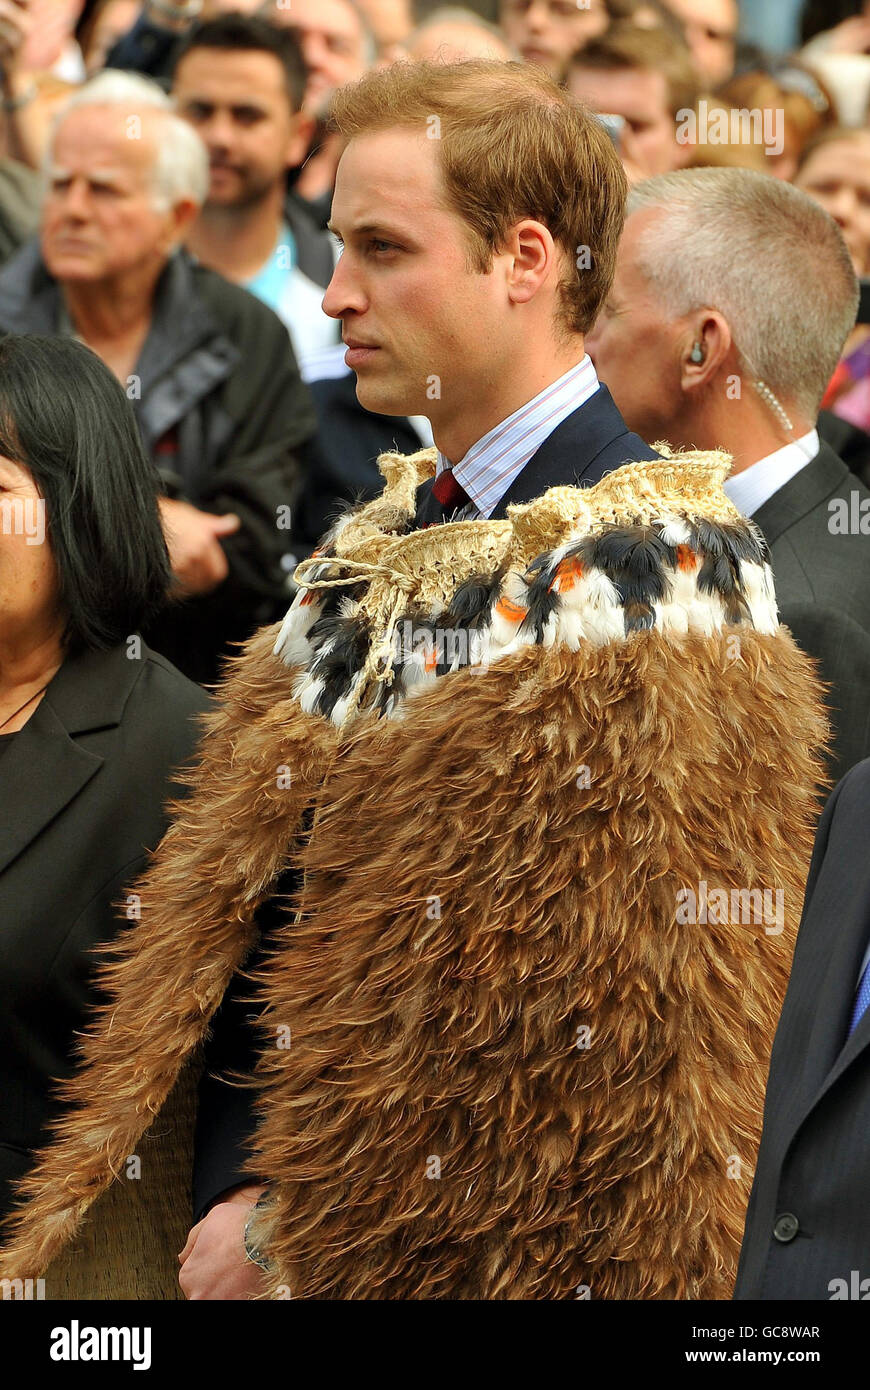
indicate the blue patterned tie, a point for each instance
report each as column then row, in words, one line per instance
column 862, row 999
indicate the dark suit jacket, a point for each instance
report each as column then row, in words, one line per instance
column 82, row 789
column 592, row 441
column 814, row 1160
column 848, row 441
column 823, row 591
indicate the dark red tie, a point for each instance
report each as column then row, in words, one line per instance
column 449, row 492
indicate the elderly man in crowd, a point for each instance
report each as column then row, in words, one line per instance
column 338, row 47
column 710, row 27
column 209, row 369
column 733, row 296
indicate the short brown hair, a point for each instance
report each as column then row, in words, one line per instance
column 511, row 145
column 627, row 47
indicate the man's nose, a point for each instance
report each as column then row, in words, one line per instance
column 343, row 294
column 74, row 200
column 217, row 131
column 538, row 15
column 315, row 52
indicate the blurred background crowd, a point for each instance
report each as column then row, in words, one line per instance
column 247, row 425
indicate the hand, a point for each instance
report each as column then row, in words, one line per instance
column 213, row 1262
column 53, row 23
column 16, row 25
column 192, row 536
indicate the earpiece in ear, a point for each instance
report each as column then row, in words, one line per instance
column 697, row 354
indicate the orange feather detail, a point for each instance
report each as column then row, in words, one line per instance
column 513, row 612
column 567, row 575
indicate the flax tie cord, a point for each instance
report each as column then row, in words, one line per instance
column 360, row 569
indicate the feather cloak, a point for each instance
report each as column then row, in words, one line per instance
column 550, row 784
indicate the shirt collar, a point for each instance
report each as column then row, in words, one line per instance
column 755, row 485
column 489, row 467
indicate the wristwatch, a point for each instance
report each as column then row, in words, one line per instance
column 252, row 1251
column 30, row 93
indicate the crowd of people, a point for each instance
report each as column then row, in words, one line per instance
column 329, row 329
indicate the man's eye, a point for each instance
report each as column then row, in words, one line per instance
column 378, row 245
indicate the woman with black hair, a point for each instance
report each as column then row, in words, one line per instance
column 92, row 723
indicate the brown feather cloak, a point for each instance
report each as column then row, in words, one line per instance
column 538, row 775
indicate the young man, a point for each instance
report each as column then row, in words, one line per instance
column 492, row 875
column 240, row 82
column 486, row 338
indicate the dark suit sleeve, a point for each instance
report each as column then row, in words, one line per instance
column 755, row 1238
column 820, row 845
column 226, row 1111
column 226, row 1119
column 842, row 649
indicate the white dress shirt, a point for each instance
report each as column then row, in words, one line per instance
column 753, row 487
column 489, row 467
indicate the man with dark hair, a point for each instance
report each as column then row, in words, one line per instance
column 240, row 82
column 338, row 45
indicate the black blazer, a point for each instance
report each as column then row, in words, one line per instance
column 593, row 440
column 823, row 591
column 590, row 442
column 808, row 1222
column 82, row 788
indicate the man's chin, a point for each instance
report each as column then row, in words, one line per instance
column 381, row 399
column 74, row 267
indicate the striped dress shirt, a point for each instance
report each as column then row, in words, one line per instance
column 490, row 466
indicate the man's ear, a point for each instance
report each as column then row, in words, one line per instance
column 704, row 349
column 301, row 135
column 181, row 217
column 532, row 254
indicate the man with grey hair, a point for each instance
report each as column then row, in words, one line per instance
column 210, row 370
column 733, row 296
